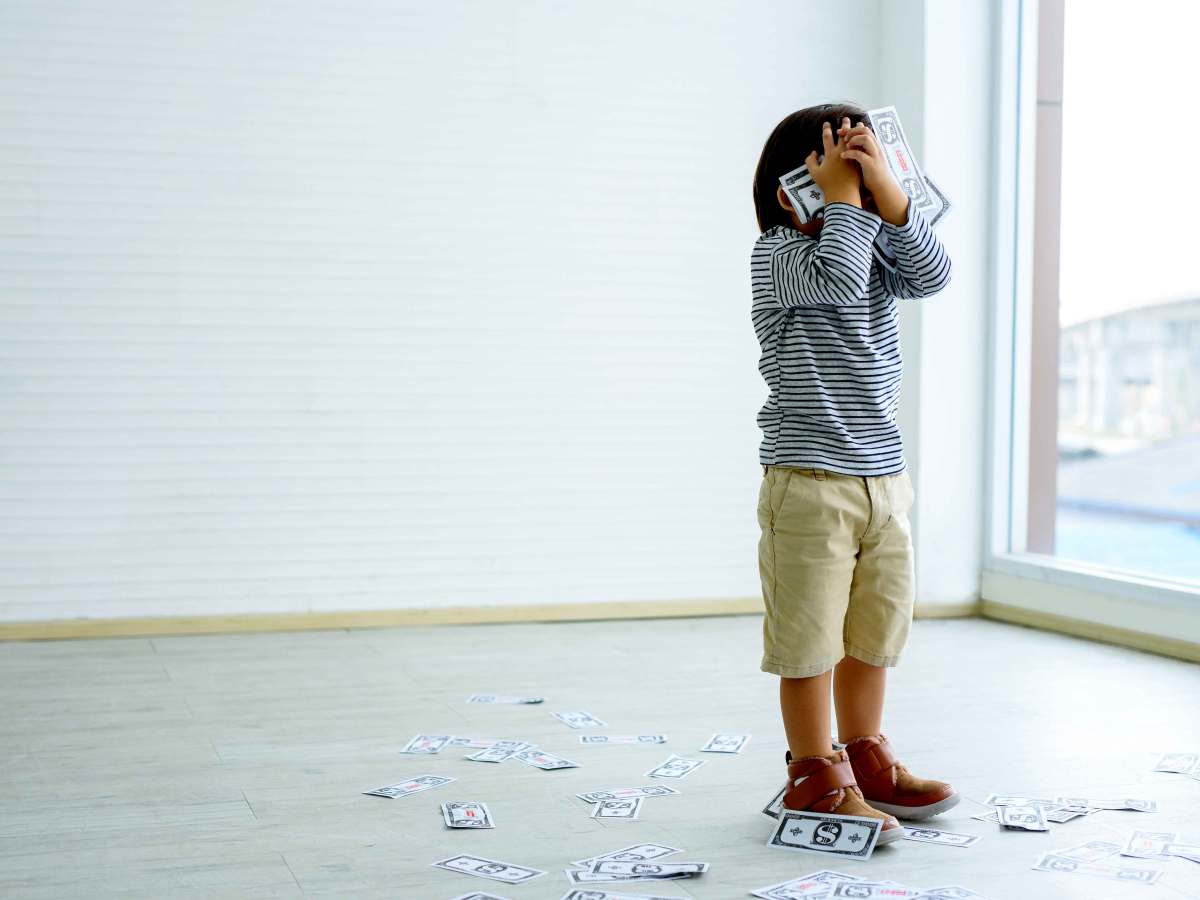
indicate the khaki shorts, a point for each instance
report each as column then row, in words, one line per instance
column 836, row 561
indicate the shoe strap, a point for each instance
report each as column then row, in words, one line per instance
column 820, row 783
column 874, row 760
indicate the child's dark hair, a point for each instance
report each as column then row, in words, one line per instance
column 791, row 141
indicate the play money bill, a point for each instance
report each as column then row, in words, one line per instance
column 622, row 739
column 1187, row 851
column 617, row 809
column 675, row 767
column 815, row 884
column 725, row 743
column 1177, row 762
column 651, row 790
column 411, row 786
column 499, row 751
column 873, row 890
column 579, row 719
column 634, row 853
column 648, row 870
column 775, row 805
column 1134, row 804
column 1149, row 844
column 496, row 698
column 488, row 868
column 1092, row 851
column 1025, row 818
column 850, row 837
column 478, row 895
column 605, row 895
column 1050, row 862
column 541, row 760
column 467, row 815
column 944, row 838
column 427, row 743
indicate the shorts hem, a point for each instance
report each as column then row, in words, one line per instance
column 872, row 659
column 785, row 671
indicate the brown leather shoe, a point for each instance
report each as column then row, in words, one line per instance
column 826, row 784
column 890, row 787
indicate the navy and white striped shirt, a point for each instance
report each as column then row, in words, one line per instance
column 824, row 310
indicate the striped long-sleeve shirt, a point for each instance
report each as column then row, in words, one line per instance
column 824, row 311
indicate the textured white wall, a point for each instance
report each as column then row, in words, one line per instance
column 376, row 305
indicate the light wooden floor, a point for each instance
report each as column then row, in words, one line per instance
column 232, row 766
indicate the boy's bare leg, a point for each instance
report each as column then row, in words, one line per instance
column 858, row 690
column 805, row 706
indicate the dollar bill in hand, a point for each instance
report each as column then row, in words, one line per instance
column 1051, row 862
column 427, row 743
column 634, row 853
column 499, row 751
column 675, row 767
column 579, row 719
column 496, row 698
column 539, row 759
column 467, row 815
column 1149, row 844
column 849, row 837
column 411, row 786
column 488, row 868
column 945, row 838
column 725, row 743
column 622, row 739
column 651, row 790
column 617, row 809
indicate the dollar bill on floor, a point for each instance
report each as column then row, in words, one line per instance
column 812, row 885
column 1003, row 800
column 632, row 853
column 1092, row 851
column 992, row 816
column 1177, row 762
column 1022, row 818
column 500, row 751
column 725, row 743
column 950, row 892
column 1127, row 803
column 622, row 739
column 477, row 895
column 617, row 809
column 944, row 838
column 775, row 805
column 488, row 868
column 1050, row 862
column 874, row 890
column 579, row 719
column 497, row 698
column 1061, row 814
column 467, row 814
column 1186, row 851
column 847, row 837
column 675, row 767
column 1149, row 844
column 593, row 894
column 472, row 743
column 647, row 871
column 411, row 786
column 540, row 759
column 650, row 790
column 427, row 743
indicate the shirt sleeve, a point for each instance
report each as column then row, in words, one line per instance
column 833, row 269
column 922, row 264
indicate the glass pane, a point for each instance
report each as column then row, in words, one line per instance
column 1128, row 432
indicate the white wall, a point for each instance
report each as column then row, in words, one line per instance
column 378, row 305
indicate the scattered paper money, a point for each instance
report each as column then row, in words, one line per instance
column 1135, row 805
column 675, row 767
column 541, row 760
column 851, row 837
column 411, row 786
column 870, row 890
column 489, row 868
column 473, row 743
column 652, row 790
column 467, row 815
column 648, row 870
column 1050, row 862
column 1025, row 818
column 500, row 751
column 1001, row 800
column 478, row 895
column 592, row 894
column 495, row 698
column 1149, row 844
column 1092, row 851
column 427, row 743
column 813, row 885
column 634, row 853
column 579, row 719
column 725, row 743
column 1177, row 762
column 622, row 739
column 945, row 838
column 617, row 809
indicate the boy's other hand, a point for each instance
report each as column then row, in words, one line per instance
column 838, row 177
column 860, row 145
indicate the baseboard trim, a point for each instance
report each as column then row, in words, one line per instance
column 1108, row 634
column 149, row 626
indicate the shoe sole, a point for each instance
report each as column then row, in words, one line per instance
column 889, row 836
column 916, row 812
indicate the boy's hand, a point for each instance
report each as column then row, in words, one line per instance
column 860, row 145
column 837, row 177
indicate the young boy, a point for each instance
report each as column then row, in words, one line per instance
column 836, row 555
